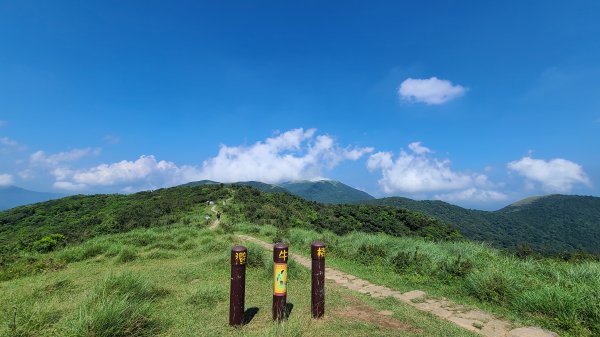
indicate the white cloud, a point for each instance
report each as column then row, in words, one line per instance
column 3, row 123
column 472, row 194
column 10, row 145
column 555, row 175
column 417, row 172
column 26, row 174
column 292, row 155
column 40, row 158
column 418, row 149
column 430, row 91
column 6, row 179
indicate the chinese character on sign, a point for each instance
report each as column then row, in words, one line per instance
column 283, row 255
column 321, row 252
column 240, row 257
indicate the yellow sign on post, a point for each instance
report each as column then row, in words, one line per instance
column 280, row 278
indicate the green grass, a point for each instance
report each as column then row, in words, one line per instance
column 560, row 296
column 178, row 285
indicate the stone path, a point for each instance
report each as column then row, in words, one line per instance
column 471, row 319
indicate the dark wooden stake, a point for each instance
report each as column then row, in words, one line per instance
column 237, row 292
column 317, row 252
column 280, row 275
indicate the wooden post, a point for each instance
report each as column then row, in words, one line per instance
column 280, row 275
column 237, row 292
column 317, row 253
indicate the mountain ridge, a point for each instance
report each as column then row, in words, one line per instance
column 548, row 224
column 13, row 196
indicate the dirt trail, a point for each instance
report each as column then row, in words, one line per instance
column 471, row 319
column 217, row 221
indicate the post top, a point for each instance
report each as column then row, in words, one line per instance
column 239, row 249
column 317, row 250
column 280, row 252
column 318, row 244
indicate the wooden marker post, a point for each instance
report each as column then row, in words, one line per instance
column 237, row 292
column 280, row 275
column 317, row 253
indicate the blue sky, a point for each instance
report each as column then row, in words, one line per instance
column 473, row 102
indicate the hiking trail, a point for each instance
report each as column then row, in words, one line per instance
column 465, row 317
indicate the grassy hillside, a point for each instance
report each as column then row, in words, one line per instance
column 174, row 281
column 326, row 191
column 77, row 218
column 549, row 224
column 286, row 211
column 12, row 196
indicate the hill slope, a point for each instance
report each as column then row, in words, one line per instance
column 12, row 196
column 326, row 191
column 549, row 224
column 81, row 217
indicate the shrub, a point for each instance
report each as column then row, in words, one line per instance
column 492, row 286
column 416, row 261
column 49, row 243
column 458, row 267
column 369, row 251
column 256, row 257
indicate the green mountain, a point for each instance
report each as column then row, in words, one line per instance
column 264, row 187
column 12, row 196
column 548, row 224
column 326, row 191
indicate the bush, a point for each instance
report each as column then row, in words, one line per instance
column 458, row 267
column 49, row 243
column 256, row 257
column 492, row 286
column 415, row 261
column 369, row 251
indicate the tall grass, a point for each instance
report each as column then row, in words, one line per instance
column 122, row 305
column 559, row 295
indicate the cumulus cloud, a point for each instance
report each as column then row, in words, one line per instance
column 555, row 175
column 417, row 172
column 6, row 179
column 40, row 158
column 292, row 155
column 432, row 91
